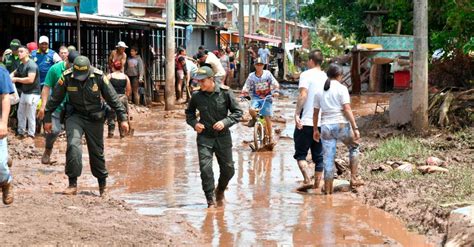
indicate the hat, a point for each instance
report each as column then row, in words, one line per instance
column 121, row 44
column 81, row 68
column 43, row 39
column 32, row 46
column 14, row 44
column 259, row 61
column 72, row 56
column 203, row 73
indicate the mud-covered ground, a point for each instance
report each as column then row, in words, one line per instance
column 41, row 215
column 422, row 201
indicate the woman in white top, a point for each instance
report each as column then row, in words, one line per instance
column 337, row 124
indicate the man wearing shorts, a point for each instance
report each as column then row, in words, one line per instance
column 259, row 85
column 311, row 82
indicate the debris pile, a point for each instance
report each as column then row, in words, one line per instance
column 451, row 109
column 431, row 165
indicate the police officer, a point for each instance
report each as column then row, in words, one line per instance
column 213, row 101
column 84, row 86
column 12, row 60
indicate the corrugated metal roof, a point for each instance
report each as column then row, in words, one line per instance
column 110, row 20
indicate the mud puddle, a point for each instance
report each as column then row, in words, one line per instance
column 158, row 174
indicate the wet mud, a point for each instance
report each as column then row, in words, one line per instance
column 157, row 173
column 41, row 215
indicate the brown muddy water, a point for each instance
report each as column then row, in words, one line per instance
column 157, row 173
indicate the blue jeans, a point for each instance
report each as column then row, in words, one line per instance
column 330, row 134
column 265, row 108
column 5, row 175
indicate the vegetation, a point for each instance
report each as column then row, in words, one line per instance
column 451, row 23
column 398, row 148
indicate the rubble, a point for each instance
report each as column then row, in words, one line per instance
column 452, row 109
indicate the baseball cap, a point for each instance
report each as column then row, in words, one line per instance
column 14, row 44
column 203, row 73
column 81, row 68
column 121, row 44
column 72, row 56
column 32, row 46
column 43, row 39
column 259, row 61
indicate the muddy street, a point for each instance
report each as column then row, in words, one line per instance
column 157, row 173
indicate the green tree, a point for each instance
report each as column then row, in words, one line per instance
column 348, row 15
column 451, row 23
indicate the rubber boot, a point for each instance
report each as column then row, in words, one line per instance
column 328, row 186
column 72, row 188
column 102, row 187
column 211, row 202
column 70, row 191
column 46, row 159
column 219, row 196
column 7, row 190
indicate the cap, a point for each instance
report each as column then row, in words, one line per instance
column 203, row 73
column 121, row 44
column 71, row 48
column 32, row 46
column 259, row 61
column 81, row 68
column 72, row 56
column 14, row 44
column 43, row 39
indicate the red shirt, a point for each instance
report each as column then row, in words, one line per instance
column 179, row 66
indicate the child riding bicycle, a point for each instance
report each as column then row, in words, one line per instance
column 259, row 85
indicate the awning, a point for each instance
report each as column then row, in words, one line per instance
column 219, row 4
column 261, row 38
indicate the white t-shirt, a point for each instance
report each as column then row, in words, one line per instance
column 331, row 103
column 313, row 80
column 216, row 64
column 263, row 53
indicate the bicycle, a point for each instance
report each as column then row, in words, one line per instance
column 261, row 138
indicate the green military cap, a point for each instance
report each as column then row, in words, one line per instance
column 203, row 73
column 81, row 68
column 15, row 44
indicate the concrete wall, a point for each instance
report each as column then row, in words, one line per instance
column 210, row 40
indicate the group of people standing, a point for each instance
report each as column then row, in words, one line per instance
column 222, row 63
column 64, row 91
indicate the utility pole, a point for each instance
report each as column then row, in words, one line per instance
column 275, row 32
column 257, row 15
column 208, row 12
column 420, row 66
column 283, row 36
column 241, row 43
column 170, row 62
column 250, row 18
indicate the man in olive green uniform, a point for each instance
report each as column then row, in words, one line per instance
column 213, row 101
column 12, row 60
column 84, row 86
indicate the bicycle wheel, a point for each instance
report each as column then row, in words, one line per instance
column 258, row 135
